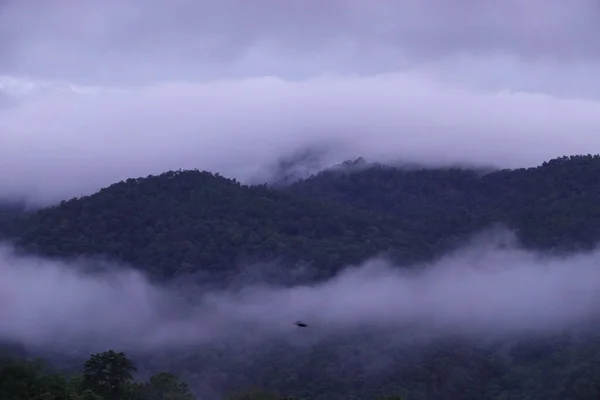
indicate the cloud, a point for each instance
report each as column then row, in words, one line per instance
column 60, row 144
column 134, row 40
column 91, row 93
column 481, row 291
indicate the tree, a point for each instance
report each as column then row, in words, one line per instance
column 166, row 386
column 25, row 380
column 254, row 394
column 108, row 374
column 88, row 395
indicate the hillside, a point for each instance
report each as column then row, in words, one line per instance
column 550, row 206
column 185, row 221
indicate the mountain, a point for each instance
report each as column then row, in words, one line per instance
column 185, row 222
column 552, row 206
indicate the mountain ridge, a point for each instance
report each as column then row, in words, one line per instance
column 185, row 221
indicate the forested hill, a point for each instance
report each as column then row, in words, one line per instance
column 184, row 221
column 553, row 205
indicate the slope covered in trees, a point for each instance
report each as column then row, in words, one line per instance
column 181, row 222
column 550, row 206
column 554, row 369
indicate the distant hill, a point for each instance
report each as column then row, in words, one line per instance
column 185, row 221
column 553, row 205
column 10, row 213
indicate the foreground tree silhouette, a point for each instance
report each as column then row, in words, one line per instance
column 24, row 380
column 87, row 395
column 108, row 374
column 254, row 394
column 164, row 386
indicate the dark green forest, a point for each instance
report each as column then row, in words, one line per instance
column 183, row 222
column 104, row 376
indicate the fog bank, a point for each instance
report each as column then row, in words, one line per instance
column 62, row 145
column 481, row 290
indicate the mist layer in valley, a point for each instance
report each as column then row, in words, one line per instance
column 487, row 289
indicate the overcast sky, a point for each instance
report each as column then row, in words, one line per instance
column 92, row 92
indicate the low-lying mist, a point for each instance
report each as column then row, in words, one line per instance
column 485, row 289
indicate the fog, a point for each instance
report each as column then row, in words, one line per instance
column 62, row 146
column 117, row 89
column 485, row 289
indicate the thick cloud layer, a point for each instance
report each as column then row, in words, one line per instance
column 482, row 290
column 63, row 144
column 94, row 92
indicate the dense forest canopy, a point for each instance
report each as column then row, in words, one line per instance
column 182, row 222
column 104, row 376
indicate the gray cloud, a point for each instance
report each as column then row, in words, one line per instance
column 482, row 290
column 59, row 144
column 137, row 40
column 91, row 93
